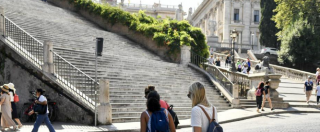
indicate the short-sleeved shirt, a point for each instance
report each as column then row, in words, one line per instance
column 266, row 89
column 211, row 60
column 199, row 119
column 249, row 64
column 217, row 63
column 309, row 85
column 164, row 104
column 318, row 90
column 42, row 99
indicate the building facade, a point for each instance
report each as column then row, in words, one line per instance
column 156, row 10
column 217, row 18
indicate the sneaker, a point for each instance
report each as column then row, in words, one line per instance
column 272, row 109
column 262, row 109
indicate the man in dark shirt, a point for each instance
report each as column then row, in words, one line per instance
column 266, row 95
column 308, row 85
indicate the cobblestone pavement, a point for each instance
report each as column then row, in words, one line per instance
column 274, row 123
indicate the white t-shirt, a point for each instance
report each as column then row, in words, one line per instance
column 11, row 96
column 318, row 90
column 42, row 99
column 317, row 73
column 211, row 60
column 199, row 118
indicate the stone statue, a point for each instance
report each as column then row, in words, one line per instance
column 212, row 27
column 190, row 11
column 266, row 61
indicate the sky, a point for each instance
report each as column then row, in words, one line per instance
column 185, row 3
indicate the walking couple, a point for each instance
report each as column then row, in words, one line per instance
column 8, row 108
column 263, row 89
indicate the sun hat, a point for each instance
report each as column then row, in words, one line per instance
column 3, row 88
column 11, row 86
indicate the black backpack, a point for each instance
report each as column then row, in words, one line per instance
column 174, row 116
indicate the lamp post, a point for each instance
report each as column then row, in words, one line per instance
column 252, row 35
column 233, row 36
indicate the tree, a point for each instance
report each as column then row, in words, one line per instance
column 267, row 26
column 300, row 36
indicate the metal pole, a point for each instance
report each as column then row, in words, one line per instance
column 95, row 91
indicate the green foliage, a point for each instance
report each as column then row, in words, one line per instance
column 298, row 21
column 165, row 32
column 267, row 27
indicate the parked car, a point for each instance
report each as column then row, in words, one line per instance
column 269, row 51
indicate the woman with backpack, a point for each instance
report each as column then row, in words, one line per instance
column 258, row 94
column 202, row 113
column 156, row 118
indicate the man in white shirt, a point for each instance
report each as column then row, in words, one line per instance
column 41, row 117
column 211, row 60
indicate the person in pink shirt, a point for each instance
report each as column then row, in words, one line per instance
column 148, row 89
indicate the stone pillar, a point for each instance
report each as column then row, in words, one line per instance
column 48, row 57
column 185, row 55
column 104, row 109
column 247, row 22
column 226, row 22
column 2, row 29
column 235, row 101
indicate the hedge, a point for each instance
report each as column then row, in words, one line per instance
column 168, row 32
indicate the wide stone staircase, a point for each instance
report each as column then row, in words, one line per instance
column 128, row 67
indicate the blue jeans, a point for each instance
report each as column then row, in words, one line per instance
column 40, row 119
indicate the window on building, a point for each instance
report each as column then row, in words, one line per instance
column 236, row 15
column 256, row 16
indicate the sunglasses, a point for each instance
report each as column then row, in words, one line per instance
column 189, row 95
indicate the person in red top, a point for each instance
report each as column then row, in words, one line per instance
column 148, row 89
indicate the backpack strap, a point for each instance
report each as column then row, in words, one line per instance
column 213, row 114
column 147, row 114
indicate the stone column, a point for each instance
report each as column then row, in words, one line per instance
column 246, row 21
column 48, row 57
column 226, row 21
column 185, row 55
column 2, row 29
column 104, row 109
column 235, row 101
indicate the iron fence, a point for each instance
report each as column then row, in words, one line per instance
column 23, row 42
column 73, row 78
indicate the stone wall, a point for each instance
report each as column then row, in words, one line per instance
column 118, row 28
column 13, row 68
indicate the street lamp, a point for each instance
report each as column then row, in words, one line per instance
column 252, row 35
column 233, row 36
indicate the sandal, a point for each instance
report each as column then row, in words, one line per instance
column 20, row 126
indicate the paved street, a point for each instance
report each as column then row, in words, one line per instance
column 274, row 123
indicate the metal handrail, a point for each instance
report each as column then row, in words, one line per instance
column 22, row 29
column 32, row 49
column 73, row 66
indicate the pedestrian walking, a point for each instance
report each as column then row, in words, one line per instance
column 149, row 89
column 6, row 117
column 318, row 76
column 211, row 60
column 227, row 61
column 200, row 108
column 318, row 94
column 42, row 100
column 249, row 65
column 258, row 94
column 218, row 62
column 12, row 92
column 156, row 118
column 308, row 86
column 317, row 71
column 239, row 66
column 266, row 96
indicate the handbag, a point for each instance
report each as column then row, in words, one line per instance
column 16, row 98
column 40, row 109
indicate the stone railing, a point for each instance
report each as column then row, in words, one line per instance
column 292, row 73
